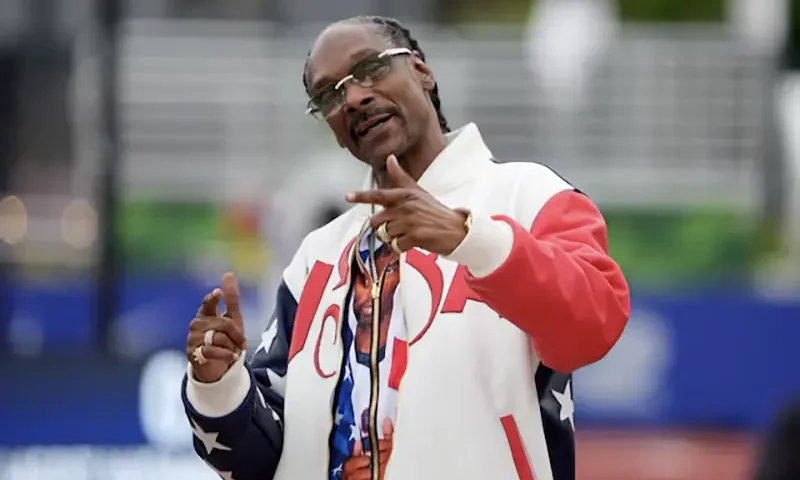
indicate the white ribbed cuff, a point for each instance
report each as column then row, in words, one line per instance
column 222, row 397
column 486, row 246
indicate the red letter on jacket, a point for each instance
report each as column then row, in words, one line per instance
column 308, row 305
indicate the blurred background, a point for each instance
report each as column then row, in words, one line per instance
column 147, row 146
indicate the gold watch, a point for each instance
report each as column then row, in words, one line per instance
column 468, row 220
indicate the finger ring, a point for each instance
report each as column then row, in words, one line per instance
column 395, row 247
column 198, row 356
column 383, row 234
column 208, row 339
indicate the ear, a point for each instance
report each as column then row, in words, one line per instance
column 424, row 73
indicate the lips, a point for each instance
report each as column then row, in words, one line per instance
column 363, row 128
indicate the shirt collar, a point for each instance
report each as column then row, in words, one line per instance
column 460, row 161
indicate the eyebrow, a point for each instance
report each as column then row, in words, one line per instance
column 324, row 82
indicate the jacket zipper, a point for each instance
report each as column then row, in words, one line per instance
column 376, row 286
column 376, row 283
column 377, row 289
column 404, row 317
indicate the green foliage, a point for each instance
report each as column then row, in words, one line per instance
column 672, row 11
column 662, row 11
column 674, row 249
column 791, row 54
column 661, row 249
column 488, row 11
column 161, row 235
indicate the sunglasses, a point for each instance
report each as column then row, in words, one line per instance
column 365, row 73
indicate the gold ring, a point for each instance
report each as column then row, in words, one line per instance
column 395, row 247
column 383, row 233
column 198, row 356
column 208, row 339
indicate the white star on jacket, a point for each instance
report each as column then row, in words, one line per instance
column 208, row 439
column 263, row 402
column 261, row 398
column 277, row 383
column 567, row 406
column 222, row 475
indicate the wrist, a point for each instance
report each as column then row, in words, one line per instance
column 486, row 246
column 202, row 377
column 211, row 373
column 462, row 222
column 221, row 397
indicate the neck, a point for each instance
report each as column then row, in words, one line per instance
column 416, row 160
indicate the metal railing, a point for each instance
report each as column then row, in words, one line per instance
column 670, row 116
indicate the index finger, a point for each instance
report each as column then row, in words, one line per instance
column 385, row 197
column 232, row 297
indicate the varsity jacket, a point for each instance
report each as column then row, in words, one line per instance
column 494, row 331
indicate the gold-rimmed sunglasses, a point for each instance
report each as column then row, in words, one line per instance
column 365, row 73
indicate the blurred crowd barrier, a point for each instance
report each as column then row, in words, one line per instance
column 221, row 170
column 667, row 130
column 670, row 129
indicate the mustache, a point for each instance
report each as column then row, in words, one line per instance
column 363, row 116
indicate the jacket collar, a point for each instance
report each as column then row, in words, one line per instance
column 460, row 161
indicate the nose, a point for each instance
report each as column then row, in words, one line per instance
column 357, row 97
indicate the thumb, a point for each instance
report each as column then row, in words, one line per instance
column 398, row 177
column 388, row 428
column 232, row 297
column 357, row 448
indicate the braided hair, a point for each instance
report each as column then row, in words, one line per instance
column 399, row 36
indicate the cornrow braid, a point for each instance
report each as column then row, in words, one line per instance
column 399, row 36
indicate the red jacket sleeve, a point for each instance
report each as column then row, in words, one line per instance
column 559, row 285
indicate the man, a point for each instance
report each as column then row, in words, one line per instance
column 503, row 286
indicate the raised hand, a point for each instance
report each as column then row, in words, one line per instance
column 411, row 216
column 216, row 341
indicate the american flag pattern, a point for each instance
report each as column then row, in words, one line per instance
column 352, row 399
column 345, row 431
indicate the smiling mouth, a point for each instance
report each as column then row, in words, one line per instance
column 366, row 126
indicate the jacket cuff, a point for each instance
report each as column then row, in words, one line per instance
column 486, row 246
column 223, row 397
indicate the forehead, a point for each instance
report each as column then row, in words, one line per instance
column 338, row 46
